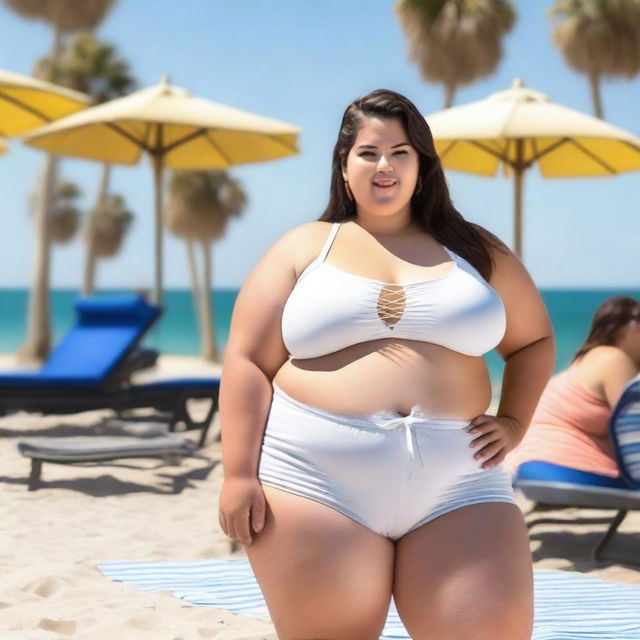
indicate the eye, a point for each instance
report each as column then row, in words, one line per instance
column 369, row 153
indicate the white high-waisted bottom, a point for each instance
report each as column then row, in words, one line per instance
column 391, row 473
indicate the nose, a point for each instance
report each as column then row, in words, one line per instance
column 383, row 163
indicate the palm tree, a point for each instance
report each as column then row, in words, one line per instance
column 198, row 209
column 111, row 222
column 600, row 38
column 94, row 68
column 64, row 217
column 64, row 16
column 455, row 42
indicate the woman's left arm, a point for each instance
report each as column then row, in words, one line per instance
column 529, row 351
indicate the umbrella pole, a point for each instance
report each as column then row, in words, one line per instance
column 518, row 212
column 157, row 174
column 518, row 184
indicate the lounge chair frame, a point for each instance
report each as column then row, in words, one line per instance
column 172, row 449
column 622, row 495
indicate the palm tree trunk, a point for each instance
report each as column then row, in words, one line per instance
column 38, row 341
column 596, row 97
column 207, row 328
column 195, row 284
column 449, row 95
column 90, row 255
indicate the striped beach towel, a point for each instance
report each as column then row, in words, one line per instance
column 567, row 606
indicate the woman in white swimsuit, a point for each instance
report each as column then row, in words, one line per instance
column 358, row 460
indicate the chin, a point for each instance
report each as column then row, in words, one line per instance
column 388, row 208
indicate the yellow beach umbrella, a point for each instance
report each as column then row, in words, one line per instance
column 27, row 103
column 176, row 129
column 519, row 127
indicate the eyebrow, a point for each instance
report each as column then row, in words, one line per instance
column 373, row 146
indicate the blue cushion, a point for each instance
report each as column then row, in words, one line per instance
column 550, row 472
column 106, row 329
column 125, row 309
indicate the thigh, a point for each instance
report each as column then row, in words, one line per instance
column 467, row 574
column 322, row 574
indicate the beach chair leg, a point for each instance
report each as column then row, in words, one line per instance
column 181, row 414
column 597, row 552
column 34, row 478
column 206, row 423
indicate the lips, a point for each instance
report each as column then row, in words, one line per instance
column 384, row 184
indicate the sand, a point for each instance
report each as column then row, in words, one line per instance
column 145, row 510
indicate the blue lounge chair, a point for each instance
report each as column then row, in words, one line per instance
column 552, row 485
column 91, row 367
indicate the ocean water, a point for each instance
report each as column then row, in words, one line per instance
column 177, row 331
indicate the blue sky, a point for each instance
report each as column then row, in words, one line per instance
column 304, row 61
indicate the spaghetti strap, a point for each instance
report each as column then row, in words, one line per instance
column 329, row 241
column 452, row 255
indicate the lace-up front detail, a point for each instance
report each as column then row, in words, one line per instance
column 330, row 309
column 392, row 302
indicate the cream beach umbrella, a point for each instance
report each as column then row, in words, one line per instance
column 519, row 127
column 27, row 103
column 176, row 129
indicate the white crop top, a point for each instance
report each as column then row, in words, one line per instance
column 330, row 309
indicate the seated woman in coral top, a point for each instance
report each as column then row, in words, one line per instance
column 570, row 424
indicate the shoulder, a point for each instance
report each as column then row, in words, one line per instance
column 278, row 268
column 612, row 369
column 304, row 242
column 507, row 271
column 527, row 318
column 305, row 232
column 298, row 239
column 604, row 365
column 496, row 247
column 604, row 356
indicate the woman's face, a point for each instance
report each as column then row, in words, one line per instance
column 382, row 154
column 635, row 327
column 630, row 332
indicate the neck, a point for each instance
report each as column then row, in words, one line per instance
column 395, row 225
column 631, row 350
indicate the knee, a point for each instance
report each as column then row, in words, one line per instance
column 501, row 627
column 345, row 632
column 352, row 621
column 480, row 620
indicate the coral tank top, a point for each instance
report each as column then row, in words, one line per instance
column 569, row 427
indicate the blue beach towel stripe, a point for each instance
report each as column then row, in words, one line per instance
column 568, row 606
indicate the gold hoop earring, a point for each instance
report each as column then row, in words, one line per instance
column 348, row 190
column 419, row 188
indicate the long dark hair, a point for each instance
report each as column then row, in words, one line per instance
column 431, row 207
column 608, row 321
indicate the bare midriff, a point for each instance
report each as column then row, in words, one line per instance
column 390, row 374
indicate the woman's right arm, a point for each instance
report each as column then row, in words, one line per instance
column 253, row 354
